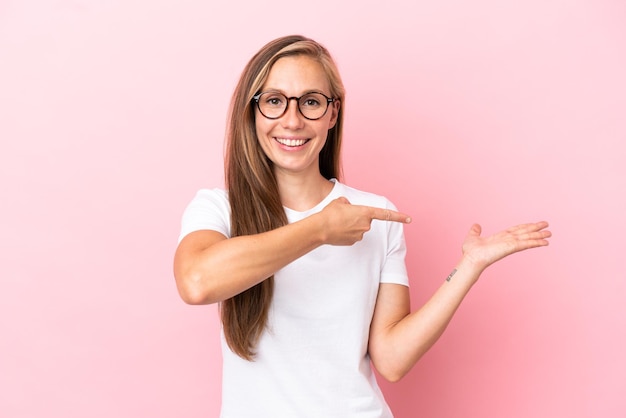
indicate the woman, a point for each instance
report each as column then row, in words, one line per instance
column 310, row 273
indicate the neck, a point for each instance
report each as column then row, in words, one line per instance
column 302, row 192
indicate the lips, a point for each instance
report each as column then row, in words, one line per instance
column 288, row 142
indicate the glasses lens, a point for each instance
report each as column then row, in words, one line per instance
column 272, row 104
column 313, row 105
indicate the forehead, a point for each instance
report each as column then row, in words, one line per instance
column 297, row 74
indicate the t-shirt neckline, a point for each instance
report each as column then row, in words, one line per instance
column 297, row 215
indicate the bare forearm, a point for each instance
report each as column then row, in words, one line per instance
column 410, row 338
column 233, row 265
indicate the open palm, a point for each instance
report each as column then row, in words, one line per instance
column 484, row 251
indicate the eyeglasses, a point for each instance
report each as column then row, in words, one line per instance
column 273, row 104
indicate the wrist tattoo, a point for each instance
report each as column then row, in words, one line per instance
column 450, row 276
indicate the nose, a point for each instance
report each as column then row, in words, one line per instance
column 292, row 118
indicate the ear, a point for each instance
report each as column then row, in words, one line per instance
column 334, row 113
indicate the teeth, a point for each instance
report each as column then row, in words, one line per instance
column 291, row 142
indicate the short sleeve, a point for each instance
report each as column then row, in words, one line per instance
column 394, row 269
column 208, row 210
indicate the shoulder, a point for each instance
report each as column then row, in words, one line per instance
column 209, row 201
column 214, row 196
column 209, row 209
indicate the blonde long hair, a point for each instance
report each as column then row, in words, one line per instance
column 252, row 189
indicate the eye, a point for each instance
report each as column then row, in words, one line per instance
column 273, row 100
column 311, row 100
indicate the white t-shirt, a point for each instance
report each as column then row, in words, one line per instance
column 312, row 361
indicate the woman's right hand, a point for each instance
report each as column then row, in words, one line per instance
column 345, row 223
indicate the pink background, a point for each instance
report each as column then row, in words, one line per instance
column 112, row 114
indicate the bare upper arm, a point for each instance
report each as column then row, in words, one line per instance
column 392, row 305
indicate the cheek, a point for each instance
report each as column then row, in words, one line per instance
column 262, row 126
column 262, row 130
column 330, row 124
column 334, row 114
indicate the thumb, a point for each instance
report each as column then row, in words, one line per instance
column 475, row 230
column 343, row 200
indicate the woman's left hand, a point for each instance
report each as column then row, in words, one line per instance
column 484, row 251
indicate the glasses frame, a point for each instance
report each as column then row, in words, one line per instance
column 329, row 100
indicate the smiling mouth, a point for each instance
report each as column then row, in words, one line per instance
column 291, row 142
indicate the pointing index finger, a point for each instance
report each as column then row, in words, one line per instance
column 389, row 215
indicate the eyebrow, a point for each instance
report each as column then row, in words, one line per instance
column 286, row 95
